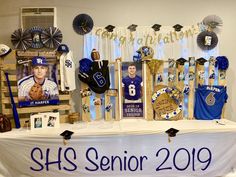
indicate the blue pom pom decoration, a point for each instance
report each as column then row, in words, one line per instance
column 222, row 62
column 85, row 65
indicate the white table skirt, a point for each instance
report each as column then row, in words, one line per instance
column 131, row 147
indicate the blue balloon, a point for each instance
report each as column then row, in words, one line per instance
column 222, row 62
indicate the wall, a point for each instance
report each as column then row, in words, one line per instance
column 124, row 13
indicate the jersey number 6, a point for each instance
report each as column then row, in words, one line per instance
column 100, row 80
column 132, row 90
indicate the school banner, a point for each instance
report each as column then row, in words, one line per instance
column 152, row 155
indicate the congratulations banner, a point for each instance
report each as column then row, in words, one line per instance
column 149, row 37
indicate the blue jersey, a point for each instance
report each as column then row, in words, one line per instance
column 132, row 87
column 209, row 101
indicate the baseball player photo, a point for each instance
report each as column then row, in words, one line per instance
column 132, row 89
column 38, row 86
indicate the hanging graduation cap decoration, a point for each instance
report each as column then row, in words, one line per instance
column 213, row 22
column 110, row 28
column 156, row 27
column 36, row 33
column 132, row 27
column 66, row 136
column 201, row 61
column 171, row 133
column 21, row 39
column 177, row 27
column 181, row 61
column 51, row 37
column 207, row 40
column 82, row 24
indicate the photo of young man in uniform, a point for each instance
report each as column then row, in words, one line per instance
column 37, row 88
column 132, row 86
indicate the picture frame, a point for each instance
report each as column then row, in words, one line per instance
column 46, row 120
column 36, row 122
column 132, row 90
column 37, row 81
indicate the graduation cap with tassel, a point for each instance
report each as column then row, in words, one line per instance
column 171, row 133
column 110, row 28
column 201, row 61
column 132, row 27
column 66, row 136
column 181, row 61
column 156, row 27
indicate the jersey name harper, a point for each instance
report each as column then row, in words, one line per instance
column 50, row 89
column 209, row 101
column 213, row 88
column 132, row 87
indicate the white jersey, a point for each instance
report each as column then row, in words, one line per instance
column 67, row 72
column 50, row 89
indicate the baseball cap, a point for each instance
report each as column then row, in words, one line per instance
column 4, row 50
column 63, row 48
column 39, row 61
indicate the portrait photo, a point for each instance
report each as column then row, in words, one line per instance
column 51, row 121
column 44, row 120
column 37, row 81
column 132, row 89
column 38, row 122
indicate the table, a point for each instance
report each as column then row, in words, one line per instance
column 130, row 147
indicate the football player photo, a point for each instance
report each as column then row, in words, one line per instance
column 132, row 89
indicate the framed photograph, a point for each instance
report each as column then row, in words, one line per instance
column 52, row 119
column 46, row 120
column 37, row 81
column 132, row 89
column 36, row 122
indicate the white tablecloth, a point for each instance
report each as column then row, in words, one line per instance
column 139, row 147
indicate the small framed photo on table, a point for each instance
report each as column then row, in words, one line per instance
column 52, row 120
column 46, row 120
column 36, row 121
